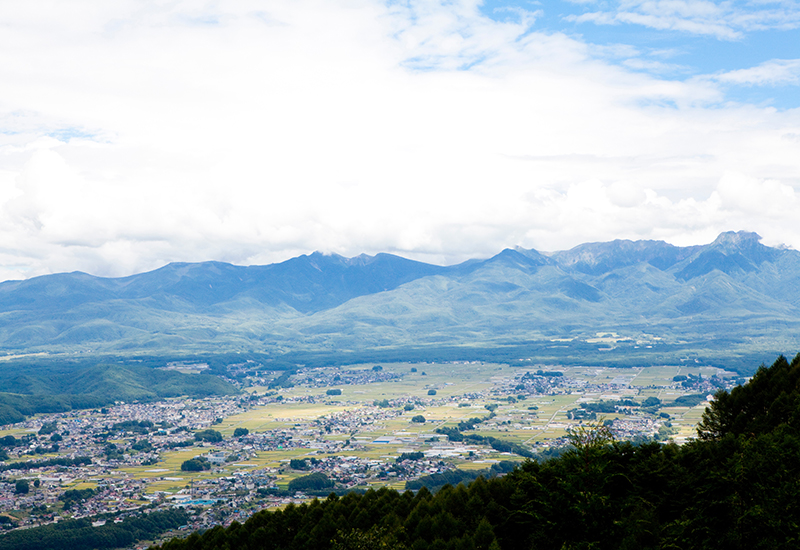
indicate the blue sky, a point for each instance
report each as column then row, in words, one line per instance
column 680, row 39
column 138, row 132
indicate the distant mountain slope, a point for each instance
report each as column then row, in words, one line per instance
column 733, row 296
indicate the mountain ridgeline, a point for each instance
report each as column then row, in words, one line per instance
column 734, row 302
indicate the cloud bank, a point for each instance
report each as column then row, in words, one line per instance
column 139, row 133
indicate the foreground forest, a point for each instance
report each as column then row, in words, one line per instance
column 736, row 486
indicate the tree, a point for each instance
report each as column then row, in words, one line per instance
column 334, row 391
column 22, row 487
column 651, row 402
column 197, row 464
column 431, row 392
column 312, row 482
column 768, row 401
column 419, row 419
column 298, row 464
column 239, row 432
column 592, row 435
column 48, row 428
column 211, row 436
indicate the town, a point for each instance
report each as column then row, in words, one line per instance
column 286, row 439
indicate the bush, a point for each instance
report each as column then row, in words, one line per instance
column 418, row 455
column 142, row 445
column 197, row 464
column 312, row 482
column 212, row 436
column 298, row 464
column 48, row 428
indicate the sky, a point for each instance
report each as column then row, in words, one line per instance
column 138, row 133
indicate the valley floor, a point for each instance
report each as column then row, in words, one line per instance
column 361, row 426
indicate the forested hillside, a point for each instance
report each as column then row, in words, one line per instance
column 736, row 486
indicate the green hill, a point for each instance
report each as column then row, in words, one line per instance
column 53, row 388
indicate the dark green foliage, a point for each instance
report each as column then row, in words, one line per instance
column 239, row 432
column 185, row 443
column 431, row 392
column 418, row 455
column 48, row 428
column 689, row 400
column 434, row 482
column 550, row 373
column 209, row 435
column 142, row 445
column 651, row 402
column 80, row 535
column 771, row 400
column 22, row 487
column 197, row 464
column 3, row 455
column 299, row 464
column 72, row 496
column 313, row 482
column 419, row 419
column 335, row 391
column 374, row 538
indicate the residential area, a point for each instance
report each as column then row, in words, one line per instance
column 333, row 429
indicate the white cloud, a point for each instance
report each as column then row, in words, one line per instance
column 722, row 20
column 770, row 73
column 233, row 133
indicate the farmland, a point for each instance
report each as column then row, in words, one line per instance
column 351, row 423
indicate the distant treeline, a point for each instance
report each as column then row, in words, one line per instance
column 79, row 534
column 737, row 487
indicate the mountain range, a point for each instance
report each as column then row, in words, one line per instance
column 727, row 303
